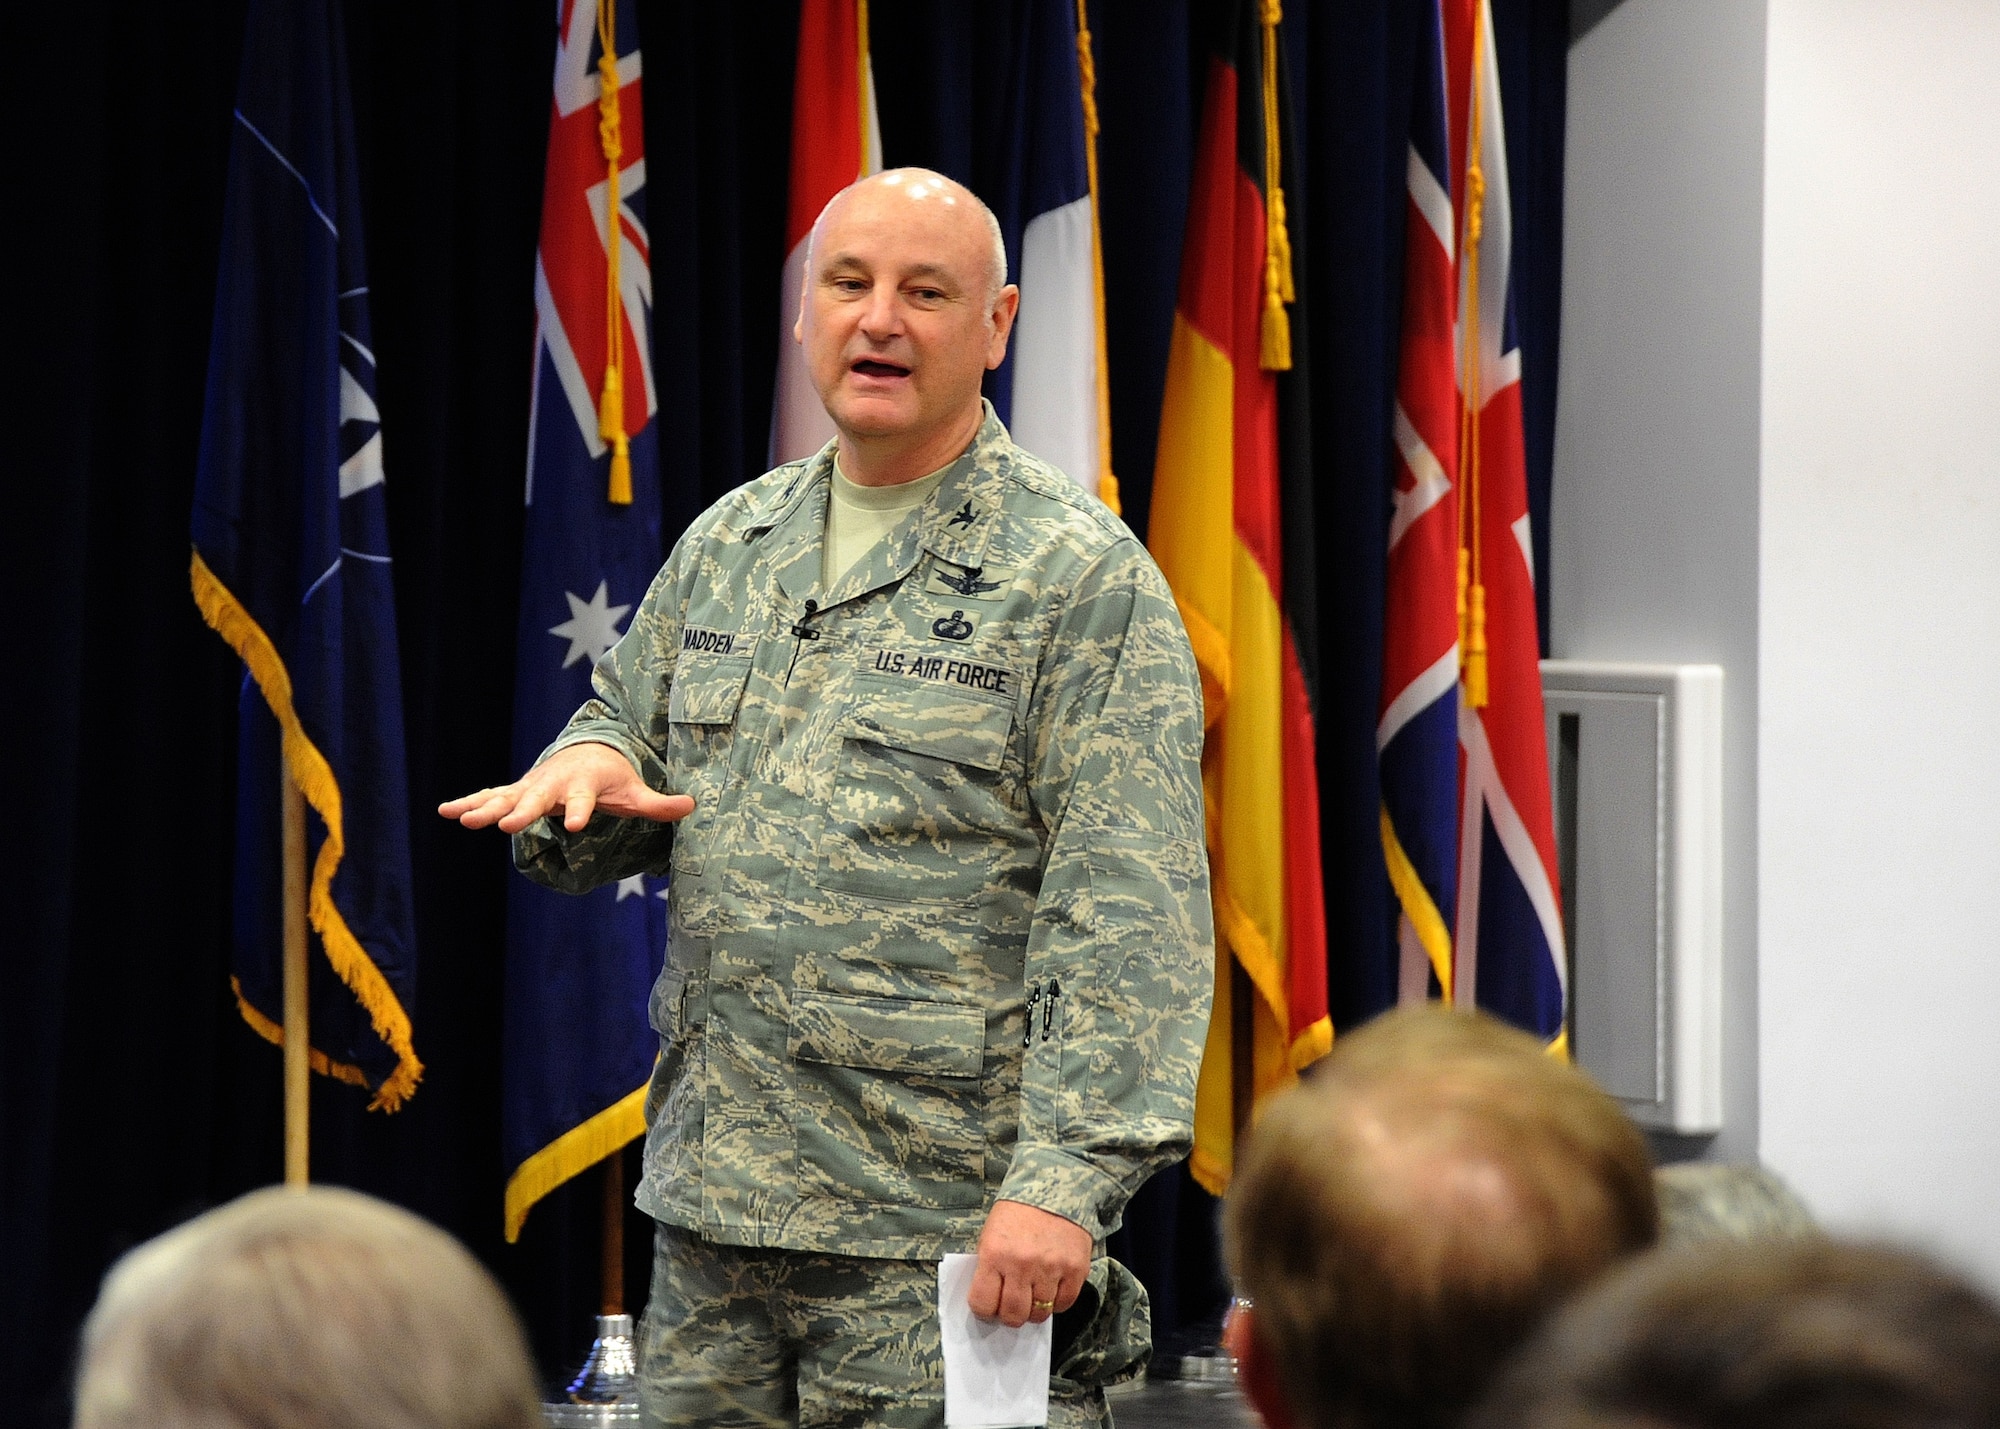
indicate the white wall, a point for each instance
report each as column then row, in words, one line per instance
column 1654, row 516
column 1778, row 448
column 1879, row 760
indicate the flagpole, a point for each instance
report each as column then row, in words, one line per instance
column 614, row 1233
column 606, row 1390
column 1242, row 1055
column 297, row 1041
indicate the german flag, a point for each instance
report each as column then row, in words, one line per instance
column 1232, row 529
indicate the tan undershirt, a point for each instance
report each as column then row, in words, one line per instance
column 857, row 517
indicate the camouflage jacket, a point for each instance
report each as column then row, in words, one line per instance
column 939, row 926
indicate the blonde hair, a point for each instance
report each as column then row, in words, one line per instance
column 316, row 1309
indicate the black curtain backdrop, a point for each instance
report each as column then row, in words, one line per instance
column 131, row 1094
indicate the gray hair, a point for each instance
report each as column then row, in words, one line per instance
column 322, row 1308
column 1704, row 1201
column 996, row 272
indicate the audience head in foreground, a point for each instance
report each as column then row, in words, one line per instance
column 1406, row 1217
column 316, row 1309
column 1705, row 1201
column 1780, row 1334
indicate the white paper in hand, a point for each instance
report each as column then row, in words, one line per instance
column 994, row 1377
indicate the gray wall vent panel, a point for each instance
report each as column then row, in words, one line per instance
column 1635, row 759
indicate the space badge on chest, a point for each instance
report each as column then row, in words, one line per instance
column 960, row 583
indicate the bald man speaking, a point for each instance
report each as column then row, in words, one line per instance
column 916, row 729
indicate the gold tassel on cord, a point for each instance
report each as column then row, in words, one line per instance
column 1475, row 651
column 1274, row 328
column 610, row 133
column 1465, row 585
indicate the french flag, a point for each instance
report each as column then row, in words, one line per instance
column 836, row 139
column 1052, row 390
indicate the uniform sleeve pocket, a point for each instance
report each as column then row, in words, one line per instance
column 939, row 1039
column 1144, row 881
column 1134, row 1016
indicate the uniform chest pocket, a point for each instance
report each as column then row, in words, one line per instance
column 923, row 802
column 701, row 732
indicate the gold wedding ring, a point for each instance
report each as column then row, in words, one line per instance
column 1042, row 1304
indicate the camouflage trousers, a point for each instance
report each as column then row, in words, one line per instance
column 746, row 1336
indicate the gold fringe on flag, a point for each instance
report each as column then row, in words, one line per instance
column 274, row 1033
column 571, row 1154
column 351, row 962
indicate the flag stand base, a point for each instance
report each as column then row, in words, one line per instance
column 1219, row 1366
column 606, row 1390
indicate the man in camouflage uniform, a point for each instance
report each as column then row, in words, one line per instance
column 939, row 952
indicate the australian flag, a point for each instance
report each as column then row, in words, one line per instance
column 578, row 1047
column 291, row 556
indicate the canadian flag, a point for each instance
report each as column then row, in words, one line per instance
column 835, row 140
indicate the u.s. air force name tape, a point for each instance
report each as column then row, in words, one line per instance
column 943, row 670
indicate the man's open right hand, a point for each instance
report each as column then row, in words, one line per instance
column 578, row 780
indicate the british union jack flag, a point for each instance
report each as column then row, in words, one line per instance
column 1467, row 831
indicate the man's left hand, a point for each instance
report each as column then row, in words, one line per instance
column 1032, row 1264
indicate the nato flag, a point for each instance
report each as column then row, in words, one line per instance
column 291, row 556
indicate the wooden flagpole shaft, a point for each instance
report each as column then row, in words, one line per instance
column 297, row 1038
column 614, row 1233
column 1242, row 1057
